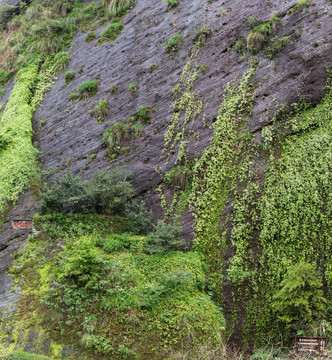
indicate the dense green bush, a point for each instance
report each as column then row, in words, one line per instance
column 111, row 32
column 173, row 43
column 114, row 242
column 6, row 14
column 119, row 7
column 18, row 156
column 140, row 219
column 69, row 76
column 165, row 238
column 5, row 76
column 300, row 299
column 90, row 36
column 96, row 283
column 131, row 128
column 19, row 355
column 104, row 193
column 87, row 89
column 171, row 3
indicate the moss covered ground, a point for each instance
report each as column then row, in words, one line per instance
column 88, row 285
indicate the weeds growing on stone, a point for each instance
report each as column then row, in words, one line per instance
column 173, row 43
column 69, row 76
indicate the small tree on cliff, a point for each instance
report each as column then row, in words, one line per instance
column 300, row 300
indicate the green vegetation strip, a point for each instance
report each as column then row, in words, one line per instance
column 17, row 154
column 103, row 293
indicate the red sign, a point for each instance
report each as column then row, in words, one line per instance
column 22, row 224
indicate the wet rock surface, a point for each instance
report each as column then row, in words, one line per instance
column 71, row 139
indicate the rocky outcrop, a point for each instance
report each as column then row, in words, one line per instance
column 70, row 139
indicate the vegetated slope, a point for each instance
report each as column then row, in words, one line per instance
column 255, row 199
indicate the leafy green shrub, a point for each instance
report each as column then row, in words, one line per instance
column 114, row 242
column 140, row 219
column 300, row 299
column 171, row 3
column 104, row 193
column 112, row 88
column 153, row 68
column 5, row 76
column 67, row 194
column 116, row 135
column 87, row 89
column 119, row 7
column 178, row 176
column 110, row 192
column 6, row 14
column 81, row 262
column 259, row 34
column 20, row 355
column 252, row 21
column 173, row 43
column 18, row 160
column 277, row 45
column 102, row 109
column 2, row 92
column 133, row 87
column 73, row 96
column 90, row 36
column 239, row 46
column 111, row 32
column 99, row 343
column 165, row 238
column 69, row 76
column 61, row 60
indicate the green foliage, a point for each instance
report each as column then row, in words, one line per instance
column 260, row 33
column 18, row 156
column 300, row 298
column 153, row 68
column 42, row 29
column 171, row 3
column 5, row 76
column 90, row 36
column 2, row 92
column 104, row 193
column 165, row 238
column 130, row 129
column 120, row 7
column 101, row 109
column 6, row 14
column 112, row 88
column 174, row 43
column 277, row 45
column 19, row 355
column 111, row 32
column 252, row 21
column 61, row 60
column 69, row 76
column 178, row 176
column 139, row 217
column 133, row 87
column 94, row 284
column 87, row 89
column 204, row 68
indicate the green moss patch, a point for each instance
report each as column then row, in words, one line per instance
column 102, row 292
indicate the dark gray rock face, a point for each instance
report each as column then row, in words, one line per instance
column 72, row 138
column 71, row 135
